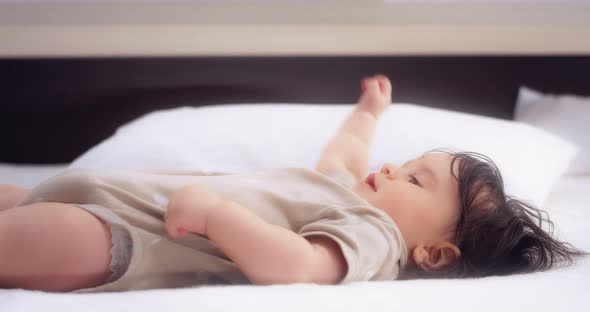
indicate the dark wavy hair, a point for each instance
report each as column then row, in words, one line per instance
column 498, row 234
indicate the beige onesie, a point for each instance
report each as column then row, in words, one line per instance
column 301, row 200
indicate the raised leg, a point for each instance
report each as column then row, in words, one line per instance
column 53, row 247
column 10, row 195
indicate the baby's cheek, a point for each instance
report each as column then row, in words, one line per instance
column 408, row 211
column 385, row 201
column 395, row 206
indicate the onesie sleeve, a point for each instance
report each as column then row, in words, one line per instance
column 372, row 246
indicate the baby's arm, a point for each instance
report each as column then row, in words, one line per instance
column 265, row 253
column 349, row 149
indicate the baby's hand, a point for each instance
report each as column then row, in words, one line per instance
column 376, row 94
column 189, row 210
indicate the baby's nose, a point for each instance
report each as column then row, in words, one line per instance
column 388, row 170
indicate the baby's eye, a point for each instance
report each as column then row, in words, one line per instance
column 413, row 180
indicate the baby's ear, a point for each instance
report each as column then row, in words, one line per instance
column 436, row 257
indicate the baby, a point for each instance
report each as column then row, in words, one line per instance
column 443, row 214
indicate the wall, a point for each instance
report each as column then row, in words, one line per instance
column 368, row 27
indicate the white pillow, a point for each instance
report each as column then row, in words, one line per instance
column 567, row 116
column 240, row 138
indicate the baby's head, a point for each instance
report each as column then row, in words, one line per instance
column 456, row 220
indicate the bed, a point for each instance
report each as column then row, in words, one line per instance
column 51, row 124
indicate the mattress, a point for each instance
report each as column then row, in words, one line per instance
column 554, row 290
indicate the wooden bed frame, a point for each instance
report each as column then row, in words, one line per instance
column 54, row 109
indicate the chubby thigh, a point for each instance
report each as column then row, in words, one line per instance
column 53, row 247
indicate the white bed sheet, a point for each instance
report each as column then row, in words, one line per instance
column 555, row 290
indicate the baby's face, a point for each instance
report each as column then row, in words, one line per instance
column 421, row 196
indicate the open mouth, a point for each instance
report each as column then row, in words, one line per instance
column 371, row 181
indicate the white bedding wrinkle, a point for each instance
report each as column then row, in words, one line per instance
column 558, row 290
column 28, row 176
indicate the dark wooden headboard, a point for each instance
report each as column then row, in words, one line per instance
column 55, row 109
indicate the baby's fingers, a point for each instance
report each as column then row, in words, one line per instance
column 384, row 85
column 176, row 231
column 370, row 85
column 173, row 226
